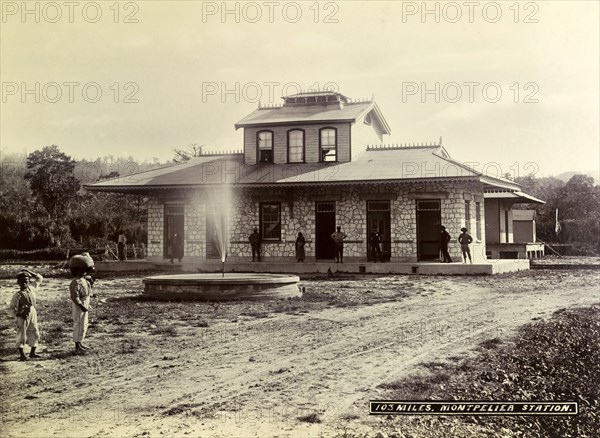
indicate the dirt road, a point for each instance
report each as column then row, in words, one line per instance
column 295, row 373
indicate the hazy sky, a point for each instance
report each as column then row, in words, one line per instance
column 141, row 78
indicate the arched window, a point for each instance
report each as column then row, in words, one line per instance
column 264, row 146
column 328, row 144
column 295, row 146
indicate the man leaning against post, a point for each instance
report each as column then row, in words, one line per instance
column 444, row 241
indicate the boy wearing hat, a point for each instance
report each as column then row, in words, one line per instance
column 23, row 307
column 465, row 239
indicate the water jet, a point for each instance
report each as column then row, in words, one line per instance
column 218, row 286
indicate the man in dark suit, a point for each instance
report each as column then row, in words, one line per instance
column 255, row 241
column 374, row 241
column 445, row 239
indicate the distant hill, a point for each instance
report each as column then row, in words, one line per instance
column 566, row 176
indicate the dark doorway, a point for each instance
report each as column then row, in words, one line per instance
column 213, row 230
column 429, row 220
column 325, row 226
column 174, row 223
column 378, row 219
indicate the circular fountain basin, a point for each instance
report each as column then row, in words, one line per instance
column 216, row 287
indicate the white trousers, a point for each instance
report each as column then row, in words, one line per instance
column 80, row 323
column 27, row 330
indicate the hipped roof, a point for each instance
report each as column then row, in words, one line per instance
column 380, row 165
column 314, row 113
column 517, row 196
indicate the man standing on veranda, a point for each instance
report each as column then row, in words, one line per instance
column 255, row 242
column 338, row 238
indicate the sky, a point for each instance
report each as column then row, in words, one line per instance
column 511, row 86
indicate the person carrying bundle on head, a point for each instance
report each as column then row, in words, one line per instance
column 81, row 267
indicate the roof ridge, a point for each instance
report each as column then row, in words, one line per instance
column 269, row 106
column 362, row 100
column 394, row 146
column 217, row 153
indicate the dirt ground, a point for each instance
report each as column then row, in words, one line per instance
column 299, row 367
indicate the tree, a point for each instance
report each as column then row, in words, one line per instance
column 580, row 197
column 15, row 201
column 578, row 204
column 15, row 196
column 579, row 200
column 183, row 155
column 51, row 179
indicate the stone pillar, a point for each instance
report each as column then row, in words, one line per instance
column 155, row 230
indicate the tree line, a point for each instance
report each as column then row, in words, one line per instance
column 43, row 203
column 578, row 204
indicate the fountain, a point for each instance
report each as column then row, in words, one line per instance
column 215, row 287
column 221, row 287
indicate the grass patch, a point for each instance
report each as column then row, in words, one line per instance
column 165, row 330
column 490, row 344
column 420, row 386
column 350, row 417
column 181, row 409
column 310, row 418
column 553, row 360
column 55, row 333
column 255, row 314
column 130, row 346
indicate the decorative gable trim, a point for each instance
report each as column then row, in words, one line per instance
column 429, row 195
column 378, row 196
column 329, row 197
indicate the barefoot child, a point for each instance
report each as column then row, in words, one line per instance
column 23, row 307
column 81, row 289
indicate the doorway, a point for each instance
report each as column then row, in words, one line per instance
column 325, row 227
column 214, row 222
column 429, row 220
column 378, row 220
column 174, row 223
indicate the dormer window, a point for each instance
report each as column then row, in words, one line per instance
column 264, row 141
column 296, row 146
column 328, row 144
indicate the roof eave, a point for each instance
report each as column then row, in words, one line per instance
column 150, row 188
column 294, row 122
column 502, row 183
column 516, row 196
column 525, row 198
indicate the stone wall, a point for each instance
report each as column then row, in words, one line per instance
column 298, row 214
column 156, row 212
column 195, row 228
